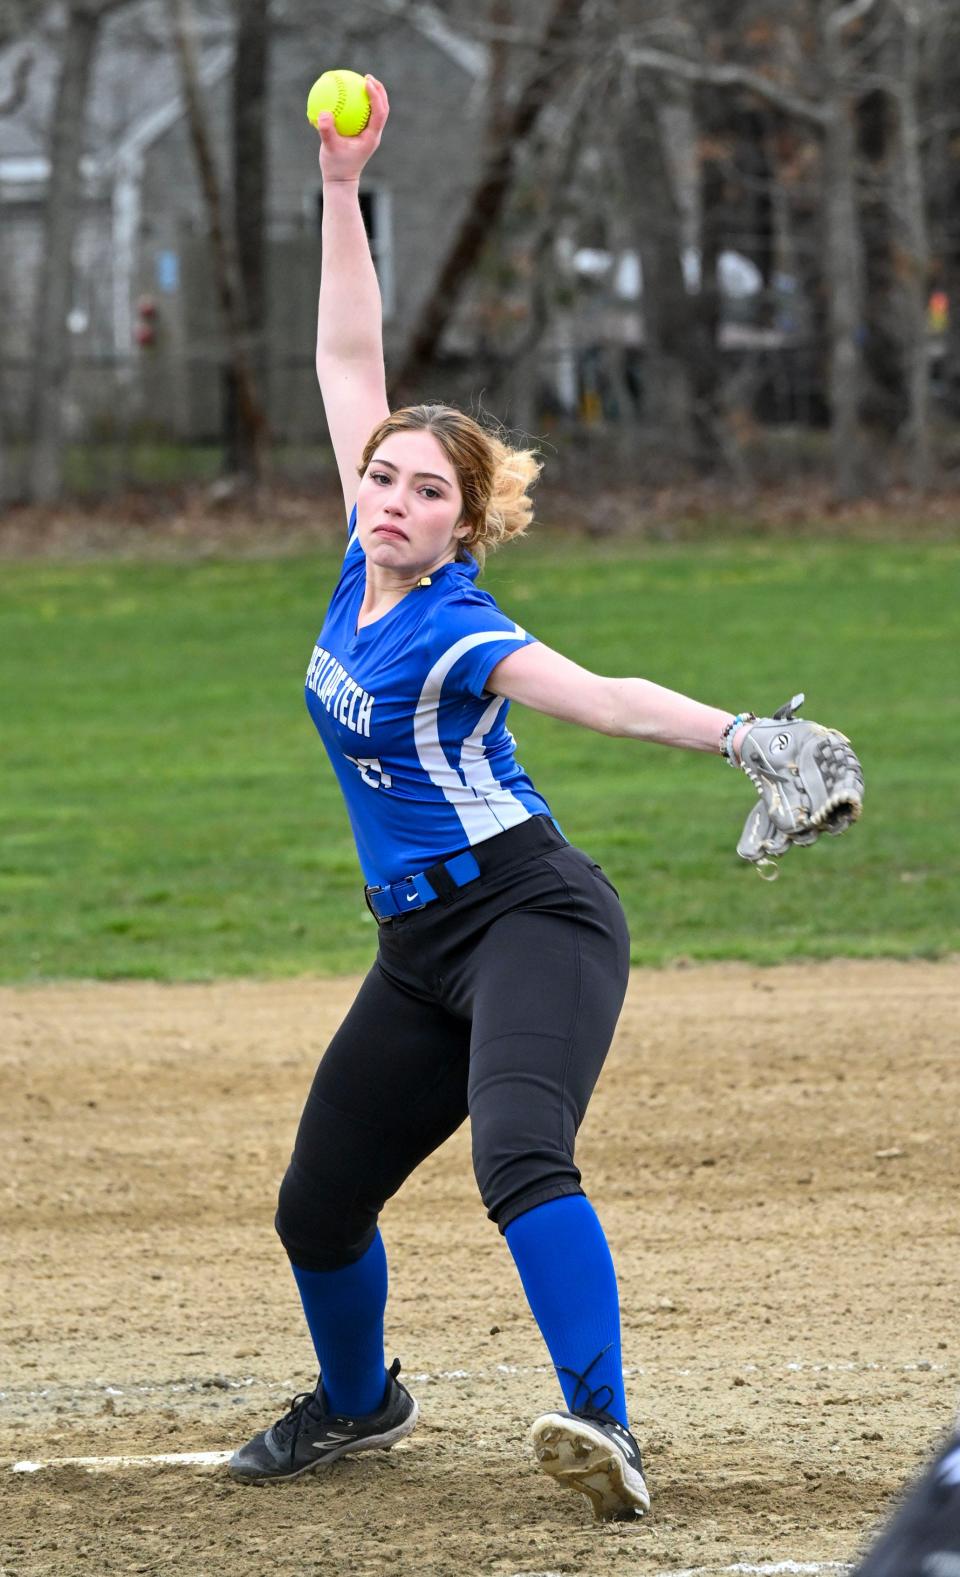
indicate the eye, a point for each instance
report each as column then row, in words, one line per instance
column 431, row 492
column 379, row 476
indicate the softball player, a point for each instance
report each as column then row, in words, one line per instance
column 503, row 951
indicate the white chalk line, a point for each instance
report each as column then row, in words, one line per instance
column 157, row 1459
column 424, row 1377
column 101, row 1464
column 766, row 1569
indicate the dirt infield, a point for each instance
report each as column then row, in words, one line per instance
column 774, row 1154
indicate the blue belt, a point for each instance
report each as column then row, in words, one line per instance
column 415, row 892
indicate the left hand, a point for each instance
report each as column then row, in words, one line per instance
column 809, row 781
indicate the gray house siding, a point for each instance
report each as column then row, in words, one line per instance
column 419, row 181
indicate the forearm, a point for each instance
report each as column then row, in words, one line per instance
column 629, row 708
column 349, row 316
column 640, row 709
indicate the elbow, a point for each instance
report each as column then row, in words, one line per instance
column 359, row 360
column 595, row 705
column 608, row 714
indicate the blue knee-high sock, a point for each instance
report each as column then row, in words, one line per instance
column 344, row 1310
column 561, row 1253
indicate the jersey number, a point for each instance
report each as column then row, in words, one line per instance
column 371, row 771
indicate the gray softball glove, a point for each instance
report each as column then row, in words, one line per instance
column 808, row 780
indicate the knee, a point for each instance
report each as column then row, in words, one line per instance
column 321, row 1225
column 513, row 1175
column 525, row 1109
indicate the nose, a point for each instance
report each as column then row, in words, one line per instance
column 394, row 504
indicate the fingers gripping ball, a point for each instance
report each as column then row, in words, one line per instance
column 344, row 94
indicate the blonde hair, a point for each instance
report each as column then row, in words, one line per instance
column 494, row 478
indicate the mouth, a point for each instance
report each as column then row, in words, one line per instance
column 390, row 531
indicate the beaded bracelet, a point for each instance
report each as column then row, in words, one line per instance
column 726, row 738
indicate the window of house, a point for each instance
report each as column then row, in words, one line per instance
column 376, row 208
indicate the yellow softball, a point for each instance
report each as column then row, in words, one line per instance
column 344, row 94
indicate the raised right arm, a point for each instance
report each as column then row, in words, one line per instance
column 349, row 319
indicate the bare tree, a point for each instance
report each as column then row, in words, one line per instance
column 508, row 130
column 915, row 250
column 655, row 217
column 879, row 264
column 842, row 240
column 829, row 113
column 671, row 51
column 944, row 48
column 249, row 183
column 83, row 20
column 892, row 200
column 19, row 83
column 222, row 243
column 9, row 105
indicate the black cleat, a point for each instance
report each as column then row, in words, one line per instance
column 593, row 1453
column 590, row 1450
column 308, row 1437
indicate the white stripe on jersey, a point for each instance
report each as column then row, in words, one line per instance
column 484, row 806
column 476, row 770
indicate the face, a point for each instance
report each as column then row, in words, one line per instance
column 409, row 505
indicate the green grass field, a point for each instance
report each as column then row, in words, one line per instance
column 168, row 810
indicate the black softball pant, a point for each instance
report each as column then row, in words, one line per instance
column 498, row 1003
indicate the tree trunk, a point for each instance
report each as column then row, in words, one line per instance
column 509, row 131
column 736, row 186
column 20, row 78
column 844, row 273
column 915, row 254
column 514, row 369
column 249, row 183
column 951, row 286
column 700, row 191
column 15, row 19
column 943, row 167
column 51, row 354
column 5, row 482
column 226, row 276
column 667, row 320
column 884, row 406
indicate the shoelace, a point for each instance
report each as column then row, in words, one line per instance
column 593, row 1407
column 292, row 1420
column 299, row 1408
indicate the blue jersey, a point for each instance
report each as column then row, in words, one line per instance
column 421, row 750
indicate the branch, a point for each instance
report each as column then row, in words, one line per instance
column 430, row 22
column 474, row 31
column 506, row 136
column 853, row 11
column 779, row 98
column 18, row 87
column 222, row 237
column 544, row 238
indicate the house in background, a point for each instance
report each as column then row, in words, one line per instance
column 146, row 340
column 147, row 344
